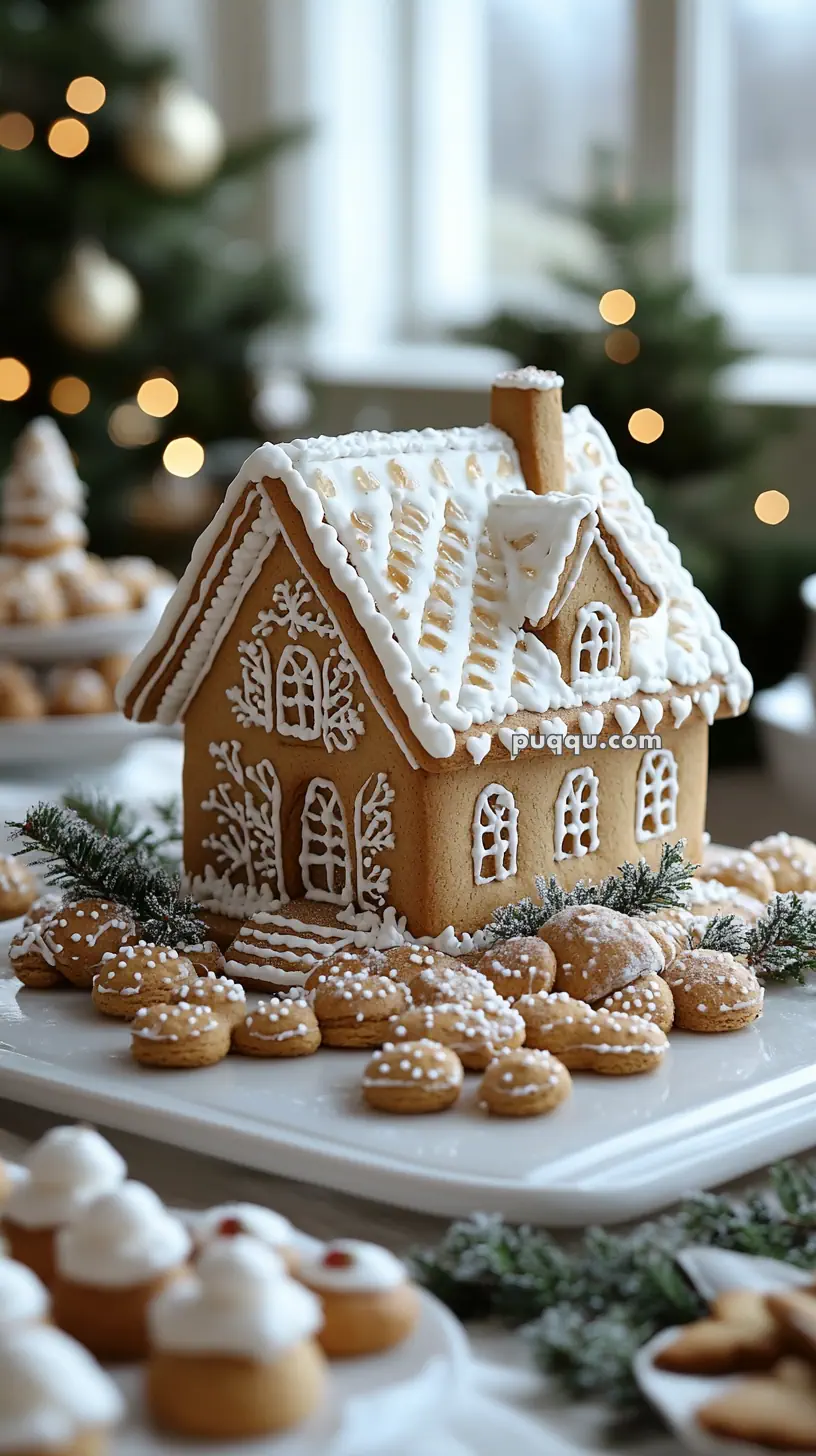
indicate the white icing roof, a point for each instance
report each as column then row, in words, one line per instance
column 444, row 554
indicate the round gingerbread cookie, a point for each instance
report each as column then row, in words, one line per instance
column 416, row 1076
column 32, row 959
column 405, row 962
column 476, row 1034
column 790, row 859
column 43, row 908
column 279, row 1027
column 714, row 992
column 519, row 966
column 357, row 1013
column 649, row 997
column 739, row 868
column 524, row 1083
column 708, row 897
column 586, row 1040
column 599, row 950
column 85, row 930
column 20, row 694
column 181, row 1036
column 74, row 691
column 348, row 963
column 136, row 976
column 206, row 958
column 461, row 986
column 18, row 887
column 222, row 995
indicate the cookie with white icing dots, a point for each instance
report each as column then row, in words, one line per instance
column 649, row 997
column 181, row 1036
column 476, row 1034
column 714, row 992
column 85, row 930
column 369, row 1304
column 280, row 1027
column 227, row 1220
column 55, row 1400
column 223, row 996
column 413, row 1077
column 790, row 859
column 519, row 966
column 740, row 868
column 443, row 985
column 139, row 975
column 32, row 959
column 357, row 1013
column 524, row 1083
column 346, row 963
column 44, row 906
column 407, row 961
column 586, row 1040
column 18, row 887
column 206, row 958
column 599, row 950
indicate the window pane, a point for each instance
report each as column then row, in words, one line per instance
column 773, row 126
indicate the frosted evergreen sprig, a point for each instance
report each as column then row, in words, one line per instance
column 117, row 820
column 780, row 946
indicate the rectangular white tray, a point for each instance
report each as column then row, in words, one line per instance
column 720, row 1107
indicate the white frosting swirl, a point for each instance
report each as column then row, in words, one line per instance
column 123, row 1238
column 22, row 1297
column 51, row 1391
column 257, row 1222
column 68, row 1168
column 239, row 1302
column 353, row 1267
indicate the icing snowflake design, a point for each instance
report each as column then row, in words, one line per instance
column 246, row 806
column 253, row 702
column 373, row 832
column 290, row 609
column 342, row 717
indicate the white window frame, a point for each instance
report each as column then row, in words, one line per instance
column 495, row 816
column 656, row 794
column 602, row 614
column 306, row 678
column 567, row 825
column 329, row 859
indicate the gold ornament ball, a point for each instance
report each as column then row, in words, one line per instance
column 96, row 301
column 175, row 141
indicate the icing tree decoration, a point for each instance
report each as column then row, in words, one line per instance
column 576, row 814
column 656, row 795
column 495, row 835
column 373, row 832
column 252, row 702
column 298, row 694
column 596, row 648
column 325, row 861
column 247, row 810
column 291, row 609
column 342, row 718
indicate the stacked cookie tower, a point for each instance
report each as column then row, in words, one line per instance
column 232, row 1320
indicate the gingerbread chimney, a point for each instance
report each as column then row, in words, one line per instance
column 526, row 404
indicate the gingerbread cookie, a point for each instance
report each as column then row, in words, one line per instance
column 599, row 950
column 223, row 996
column 713, row 992
column 279, row 1027
column 20, row 695
column 345, row 964
column 72, row 691
column 739, row 868
column 586, row 1040
column 649, row 997
column 32, row 959
column 434, row 986
column 415, row 1076
column 180, row 1036
column 43, row 908
column 519, row 966
column 85, row 930
column 113, row 667
column 55, row 1400
column 357, row 1012
column 791, row 861
column 476, row 1034
column 740, row 1334
column 206, row 958
column 18, row 887
column 708, row 897
column 524, row 1083
column 406, row 961
column 92, row 594
column 369, row 1305
column 795, row 1311
column 766, row 1410
column 139, row 975
column 139, row 576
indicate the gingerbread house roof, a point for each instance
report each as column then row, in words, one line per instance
column 446, row 558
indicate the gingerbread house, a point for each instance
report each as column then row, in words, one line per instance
column 417, row 670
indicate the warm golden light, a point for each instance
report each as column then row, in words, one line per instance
column 158, row 397
column 14, row 379
column 622, row 347
column 183, row 456
column 68, row 137
column 16, row 131
column 85, row 94
column 617, row 306
column 771, row 507
column 70, row 395
column 130, row 427
column 646, row 426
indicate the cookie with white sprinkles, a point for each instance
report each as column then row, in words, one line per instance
column 476, row 1034
column 82, row 932
column 599, row 950
column 519, row 966
column 649, row 997
column 283, row 1026
column 357, row 1012
column 524, row 1083
column 180, row 1036
column 139, row 975
column 586, row 1040
column 714, row 992
column 414, row 1077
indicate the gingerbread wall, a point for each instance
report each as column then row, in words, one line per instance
column 595, row 584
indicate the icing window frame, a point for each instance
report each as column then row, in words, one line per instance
column 576, row 813
column 597, row 633
column 496, row 816
column 327, row 829
column 299, row 668
column 656, row 794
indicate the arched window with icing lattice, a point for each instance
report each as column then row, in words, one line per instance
column 495, row 835
column 656, row 795
column 298, row 689
column 325, row 858
column 596, row 643
column 576, row 814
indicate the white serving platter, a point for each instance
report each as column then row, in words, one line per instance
column 620, row 1148
column 83, row 638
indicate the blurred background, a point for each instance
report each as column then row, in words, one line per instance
column 223, row 221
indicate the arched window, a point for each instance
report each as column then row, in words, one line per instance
column 576, row 814
column 325, row 861
column 656, row 795
column 495, row 835
column 298, row 694
column 596, row 648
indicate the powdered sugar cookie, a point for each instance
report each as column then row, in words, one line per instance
column 586, row 1040
column 441, row 985
column 76, row 690
column 791, row 861
column 346, row 963
column 709, row 897
column 84, row 931
column 358, row 1013
column 713, row 992
column 369, row 1305
column 740, row 868
column 139, row 576
column 227, row 1220
column 32, row 959
column 222, row 995
column 181, row 1036
column 476, row 1034
column 524, row 1083
column 20, row 695
column 138, row 975
column 55, row 1400
column 18, row 887
column 92, row 595
column 598, row 950
column 32, row 598
column 519, row 966
column 406, row 961
column 206, row 958
column 649, row 997
column 279, row 1027
column 415, row 1076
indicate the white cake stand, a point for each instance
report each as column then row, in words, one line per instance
column 83, row 638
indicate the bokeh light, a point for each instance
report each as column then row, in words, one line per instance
column 70, row 395
column 183, row 456
column 14, row 379
column 617, row 306
column 771, row 507
column 158, row 396
column 622, row 347
column 85, row 94
column 646, row 426
column 68, row 137
column 16, row 131
column 130, row 427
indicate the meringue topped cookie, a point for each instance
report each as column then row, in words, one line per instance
column 54, row 1398
column 368, row 1303
column 23, row 1297
column 231, row 1220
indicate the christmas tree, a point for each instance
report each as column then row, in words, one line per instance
column 127, row 305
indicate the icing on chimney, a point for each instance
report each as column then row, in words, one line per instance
column 526, row 404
